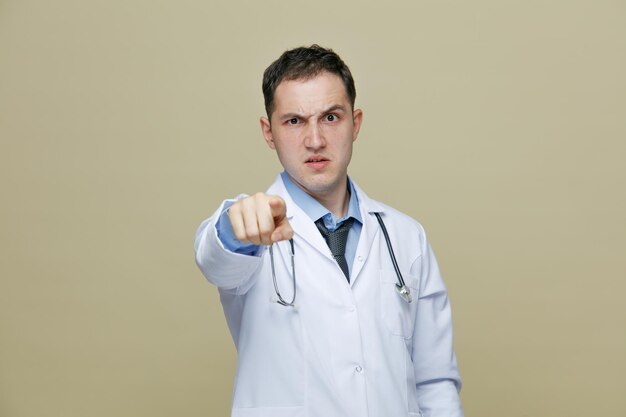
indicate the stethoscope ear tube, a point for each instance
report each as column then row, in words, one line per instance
column 401, row 287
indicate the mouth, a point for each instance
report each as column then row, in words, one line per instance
column 317, row 162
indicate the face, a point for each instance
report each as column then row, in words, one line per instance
column 312, row 130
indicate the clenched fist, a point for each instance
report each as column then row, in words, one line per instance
column 260, row 219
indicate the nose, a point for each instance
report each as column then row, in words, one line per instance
column 314, row 137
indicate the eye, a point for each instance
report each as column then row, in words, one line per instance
column 293, row 121
column 331, row 117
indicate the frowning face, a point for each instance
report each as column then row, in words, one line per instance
column 312, row 129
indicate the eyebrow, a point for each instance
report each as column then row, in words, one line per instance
column 336, row 107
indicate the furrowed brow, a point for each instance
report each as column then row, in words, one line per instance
column 335, row 108
column 289, row 116
column 331, row 109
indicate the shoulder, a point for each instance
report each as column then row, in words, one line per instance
column 392, row 217
column 400, row 220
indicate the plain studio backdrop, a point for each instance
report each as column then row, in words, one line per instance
column 499, row 125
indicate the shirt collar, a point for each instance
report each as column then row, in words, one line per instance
column 315, row 210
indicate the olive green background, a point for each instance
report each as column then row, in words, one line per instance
column 500, row 125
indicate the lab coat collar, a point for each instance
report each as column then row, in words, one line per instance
column 366, row 205
column 301, row 223
column 305, row 227
column 314, row 209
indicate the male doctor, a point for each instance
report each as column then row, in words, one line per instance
column 306, row 276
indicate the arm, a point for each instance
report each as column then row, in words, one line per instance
column 228, row 243
column 222, row 267
column 436, row 373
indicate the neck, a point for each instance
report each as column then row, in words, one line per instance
column 338, row 203
column 336, row 200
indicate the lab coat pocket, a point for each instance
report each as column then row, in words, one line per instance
column 397, row 314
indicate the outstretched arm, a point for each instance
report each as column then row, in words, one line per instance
column 227, row 241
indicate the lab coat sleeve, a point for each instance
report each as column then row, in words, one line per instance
column 229, row 271
column 436, row 372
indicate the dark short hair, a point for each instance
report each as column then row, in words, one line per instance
column 302, row 64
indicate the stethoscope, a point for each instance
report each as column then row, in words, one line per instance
column 400, row 286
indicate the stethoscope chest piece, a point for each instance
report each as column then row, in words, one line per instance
column 404, row 292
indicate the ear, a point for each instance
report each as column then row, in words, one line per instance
column 357, row 119
column 266, row 128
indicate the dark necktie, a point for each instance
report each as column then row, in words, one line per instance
column 336, row 241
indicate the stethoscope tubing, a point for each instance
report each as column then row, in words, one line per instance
column 281, row 300
column 401, row 287
column 401, row 283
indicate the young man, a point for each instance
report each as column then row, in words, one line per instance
column 313, row 292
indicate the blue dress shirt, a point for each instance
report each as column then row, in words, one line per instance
column 312, row 208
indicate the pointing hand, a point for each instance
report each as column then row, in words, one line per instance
column 260, row 219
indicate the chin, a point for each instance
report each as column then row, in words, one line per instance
column 318, row 187
column 319, row 183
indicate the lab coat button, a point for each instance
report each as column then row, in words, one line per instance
column 358, row 369
column 360, row 258
column 351, row 309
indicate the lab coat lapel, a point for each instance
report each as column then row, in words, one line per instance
column 369, row 231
